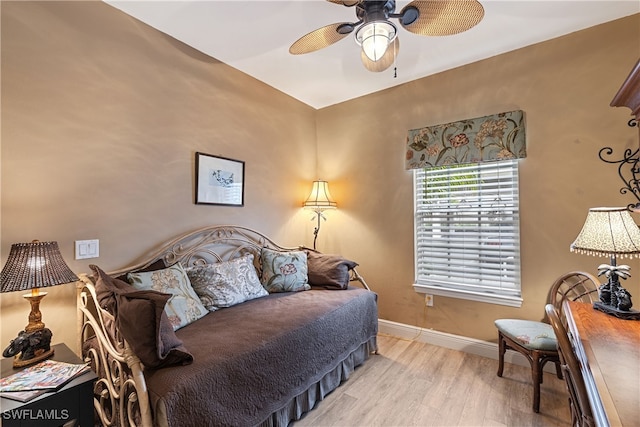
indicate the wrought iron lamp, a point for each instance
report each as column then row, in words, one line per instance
column 611, row 232
column 318, row 201
column 31, row 266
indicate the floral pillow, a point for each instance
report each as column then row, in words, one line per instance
column 284, row 271
column 184, row 306
column 227, row 283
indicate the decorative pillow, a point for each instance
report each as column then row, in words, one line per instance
column 156, row 265
column 141, row 320
column 226, row 283
column 328, row 271
column 106, row 289
column 284, row 271
column 184, row 306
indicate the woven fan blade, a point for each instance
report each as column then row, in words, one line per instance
column 444, row 17
column 383, row 63
column 318, row 39
column 347, row 3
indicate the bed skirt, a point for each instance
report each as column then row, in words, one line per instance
column 305, row 401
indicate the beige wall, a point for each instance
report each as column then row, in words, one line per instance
column 101, row 119
column 564, row 87
column 102, row 115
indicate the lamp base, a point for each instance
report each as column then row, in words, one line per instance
column 33, row 347
column 19, row 363
column 621, row 314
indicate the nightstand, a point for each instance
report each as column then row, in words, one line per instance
column 72, row 405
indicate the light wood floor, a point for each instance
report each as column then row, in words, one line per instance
column 415, row 384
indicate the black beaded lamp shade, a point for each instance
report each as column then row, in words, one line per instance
column 35, row 265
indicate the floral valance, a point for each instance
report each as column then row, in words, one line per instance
column 497, row 137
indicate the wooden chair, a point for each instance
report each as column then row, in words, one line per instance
column 581, row 414
column 536, row 340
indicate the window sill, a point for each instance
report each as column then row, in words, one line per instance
column 473, row 296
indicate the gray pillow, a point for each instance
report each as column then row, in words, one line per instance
column 141, row 320
column 328, row 271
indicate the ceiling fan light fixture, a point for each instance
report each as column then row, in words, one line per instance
column 375, row 37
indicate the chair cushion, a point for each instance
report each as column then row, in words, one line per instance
column 528, row 333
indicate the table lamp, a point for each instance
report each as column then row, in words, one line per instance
column 318, row 201
column 31, row 266
column 611, row 232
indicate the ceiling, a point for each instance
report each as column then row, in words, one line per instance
column 254, row 37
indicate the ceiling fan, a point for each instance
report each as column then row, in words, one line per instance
column 377, row 35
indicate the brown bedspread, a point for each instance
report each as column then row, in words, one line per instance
column 252, row 359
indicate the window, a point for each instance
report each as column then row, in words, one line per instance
column 467, row 235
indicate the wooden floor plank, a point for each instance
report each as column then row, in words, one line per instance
column 411, row 383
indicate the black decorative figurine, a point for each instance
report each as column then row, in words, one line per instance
column 611, row 232
column 614, row 299
column 34, row 345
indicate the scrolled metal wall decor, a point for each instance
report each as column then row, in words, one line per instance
column 631, row 178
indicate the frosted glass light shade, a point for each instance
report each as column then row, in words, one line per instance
column 608, row 232
column 320, row 198
column 375, row 37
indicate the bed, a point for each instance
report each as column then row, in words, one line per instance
column 261, row 362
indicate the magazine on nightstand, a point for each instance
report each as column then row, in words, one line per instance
column 38, row 379
column 23, row 396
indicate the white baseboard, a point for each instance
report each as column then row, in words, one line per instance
column 454, row 342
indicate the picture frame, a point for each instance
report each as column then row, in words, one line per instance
column 219, row 180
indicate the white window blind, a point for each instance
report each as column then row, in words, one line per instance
column 467, row 236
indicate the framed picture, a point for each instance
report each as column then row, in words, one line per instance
column 219, row 181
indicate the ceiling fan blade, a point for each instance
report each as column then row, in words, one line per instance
column 383, row 63
column 443, row 17
column 347, row 3
column 320, row 38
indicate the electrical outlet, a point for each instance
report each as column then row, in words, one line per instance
column 428, row 300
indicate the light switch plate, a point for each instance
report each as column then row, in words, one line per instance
column 87, row 249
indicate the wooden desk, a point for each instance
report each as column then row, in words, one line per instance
column 608, row 349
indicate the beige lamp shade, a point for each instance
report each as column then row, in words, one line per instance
column 320, row 198
column 608, row 232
